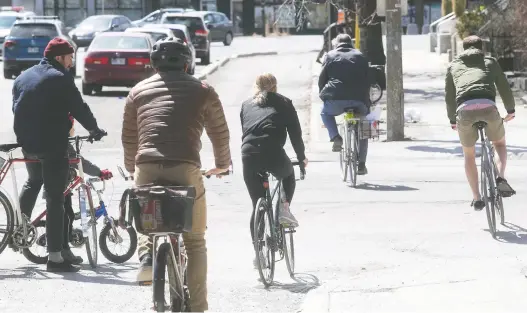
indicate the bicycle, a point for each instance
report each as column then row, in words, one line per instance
column 165, row 260
column 376, row 91
column 353, row 130
column 489, row 187
column 278, row 237
column 23, row 232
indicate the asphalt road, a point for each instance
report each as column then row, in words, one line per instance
column 233, row 284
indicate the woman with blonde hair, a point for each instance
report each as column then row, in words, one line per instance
column 267, row 117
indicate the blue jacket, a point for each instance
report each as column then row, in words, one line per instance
column 43, row 96
column 345, row 75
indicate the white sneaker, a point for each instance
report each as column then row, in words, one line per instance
column 286, row 218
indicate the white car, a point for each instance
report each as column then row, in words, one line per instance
column 8, row 16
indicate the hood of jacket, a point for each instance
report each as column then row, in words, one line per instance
column 472, row 55
column 53, row 63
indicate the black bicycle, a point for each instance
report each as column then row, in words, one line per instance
column 489, row 187
column 270, row 236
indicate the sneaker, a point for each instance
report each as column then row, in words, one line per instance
column 62, row 267
column 362, row 170
column 504, row 189
column 286, row 218
column 70, row 257
column 144, row 275
column 337, row 144
column 478, row 204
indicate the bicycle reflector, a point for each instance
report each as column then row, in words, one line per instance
column 266, row 184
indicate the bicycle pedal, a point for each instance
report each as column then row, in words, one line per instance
column 145, row 283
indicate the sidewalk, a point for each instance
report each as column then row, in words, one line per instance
column 406, row 240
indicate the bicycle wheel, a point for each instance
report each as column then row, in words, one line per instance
column 264, row 242
column 40, row 245
column 91, row 243
column 498, row 198
column 343, row 154
column 176, row 299
column 375, row 93
column 7, row 222
column 116, row 235
column 487, row 191
column 289, row 249
column 354, row 156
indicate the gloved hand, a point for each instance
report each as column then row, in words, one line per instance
column 97, row 134
column 106, row 174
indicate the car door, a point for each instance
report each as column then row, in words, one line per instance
column 125, row 23
column 215, row 33
column 222, row 24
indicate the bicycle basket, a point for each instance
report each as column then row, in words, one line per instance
column 369, row 129
column 157, row 208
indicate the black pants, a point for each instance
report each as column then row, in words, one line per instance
column 52, row 172
column 278, row 164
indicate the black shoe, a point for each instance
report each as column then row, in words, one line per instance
column 478, row 204
column 337, row 144
column 144, row 275
column 504, row 189
column 63, row 267
column 362, row 170
column 68, row 255
column 11, row 245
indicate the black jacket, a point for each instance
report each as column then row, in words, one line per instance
column 43, row 96
column 265, row 127
column 344, row 75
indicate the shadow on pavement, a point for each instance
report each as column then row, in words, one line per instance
column 376, row 187
column 104, row 274
column 426, row 95
column 303, row 283
column 457, row 150
column 517, row 234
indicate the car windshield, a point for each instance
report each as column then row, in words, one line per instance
column 96, row 23
column 7, row 21
column 179, row 34
column 34, row 30
column 119, row 43
column 192, row 23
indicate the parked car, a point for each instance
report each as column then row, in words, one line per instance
column 27, row 40
column 155, row 17
column 8, row 16
column 118, row 59
column 84, row 33
column 219, row 25
column 200, row 36
column 180, row 31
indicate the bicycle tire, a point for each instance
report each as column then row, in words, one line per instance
column 354, row 156
column 289, row 252
column 343, row 152
column 375, row 93
column 105, row 232
column 91, row 243
column 263, row 213
column 486, row 190
column 499, row 199
column 8, row 207
column 165, row 264
column 29, row 255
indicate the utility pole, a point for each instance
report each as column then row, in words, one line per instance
column 394, row 71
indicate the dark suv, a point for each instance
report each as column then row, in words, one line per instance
column 199, row 34
column 84, row 33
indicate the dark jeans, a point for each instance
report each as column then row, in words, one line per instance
column 52, row 172
column 278, row 164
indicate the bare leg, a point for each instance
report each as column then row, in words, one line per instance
column 501, row 149
column 471, row 171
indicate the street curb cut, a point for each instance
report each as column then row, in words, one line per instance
column 316, row 301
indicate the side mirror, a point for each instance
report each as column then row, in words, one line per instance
column 114, row 26
column 209, row 26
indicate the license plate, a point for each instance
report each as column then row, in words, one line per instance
column 32, row 50
column 119, row 61
column 2, row 162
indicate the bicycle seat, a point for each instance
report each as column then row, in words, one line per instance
column 351, row 110
column 10, row 146
column 480, row 125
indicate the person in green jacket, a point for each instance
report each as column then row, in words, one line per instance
column 470, row 86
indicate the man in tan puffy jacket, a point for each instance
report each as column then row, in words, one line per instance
column 164, row 118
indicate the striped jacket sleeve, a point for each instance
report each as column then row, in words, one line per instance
column 217, row 130
column 129, row 135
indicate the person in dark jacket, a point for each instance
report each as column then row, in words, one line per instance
column 343, row 84
column 266, row 119
column 43, row 98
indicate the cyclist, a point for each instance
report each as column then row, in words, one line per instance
column 164, row 118
column 343, row 84
column 43, row 97
column 267, row 118
column 471, row 82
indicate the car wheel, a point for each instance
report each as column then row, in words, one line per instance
column 97, row 88
column 87, row 89
column 205, row 60
column 8, row 74
column 228, row 39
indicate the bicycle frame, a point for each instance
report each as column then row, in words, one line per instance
column 175, row 250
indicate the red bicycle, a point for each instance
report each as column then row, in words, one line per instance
column 24, row 233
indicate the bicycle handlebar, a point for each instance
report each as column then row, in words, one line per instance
column 92, row 180
column 302, row 169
